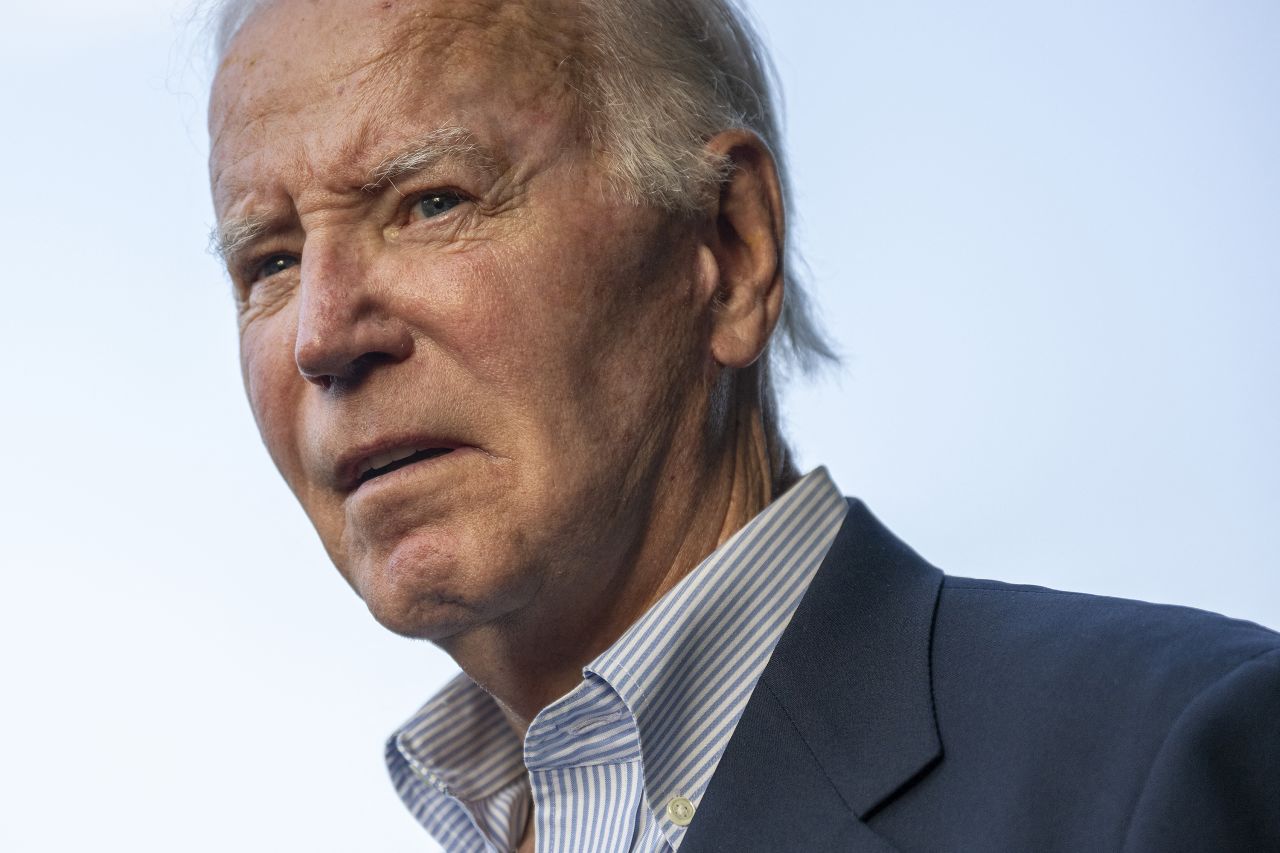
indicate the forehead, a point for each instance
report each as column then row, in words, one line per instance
column 325, row 84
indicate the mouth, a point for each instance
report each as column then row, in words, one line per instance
column 381, row 464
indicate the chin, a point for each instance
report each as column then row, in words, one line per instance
column 423, row 608
column 434, row 621
column 421, row 592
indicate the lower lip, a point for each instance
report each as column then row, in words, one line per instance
column 409, row 472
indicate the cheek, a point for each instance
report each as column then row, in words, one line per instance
column 589, row 341
column 273, row 386
column 564, row 297
column 501, row 311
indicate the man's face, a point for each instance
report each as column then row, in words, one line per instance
column 427, row 261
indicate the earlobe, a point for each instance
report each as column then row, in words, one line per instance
column 746, row 251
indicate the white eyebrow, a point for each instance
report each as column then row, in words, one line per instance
column 233, row 235
column 444, row 143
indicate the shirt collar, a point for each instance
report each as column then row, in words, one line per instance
column 460, row 744
column 688, row 666
column 684, row 671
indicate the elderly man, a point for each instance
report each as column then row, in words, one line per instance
column 508, row 277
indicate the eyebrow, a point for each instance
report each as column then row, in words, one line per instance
column 228, row 238
column 445, row 143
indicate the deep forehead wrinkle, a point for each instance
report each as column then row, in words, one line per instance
column 457, row 45
column 438, row 33
column 453, row 43
column 481, row 36
column 549, row 27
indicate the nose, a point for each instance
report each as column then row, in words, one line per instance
column 346, row 322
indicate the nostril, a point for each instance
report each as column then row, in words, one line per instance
column 361, row 366
column 364, row 363
column 353, row 372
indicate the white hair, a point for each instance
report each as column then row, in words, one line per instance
column 657, row 79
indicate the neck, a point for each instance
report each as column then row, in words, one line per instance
column 699, row 500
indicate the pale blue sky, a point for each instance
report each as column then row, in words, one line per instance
column 1046, row 237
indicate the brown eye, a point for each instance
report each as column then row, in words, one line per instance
column 274, row 264
column 434, row 204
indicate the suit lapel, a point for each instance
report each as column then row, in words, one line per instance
column 842, row 718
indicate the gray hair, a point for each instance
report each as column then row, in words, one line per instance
column 658, row 79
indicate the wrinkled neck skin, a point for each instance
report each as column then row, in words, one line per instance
column 701, row 499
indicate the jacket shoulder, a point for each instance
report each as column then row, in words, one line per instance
column 1073, row 699
column 1135, row 646
column 1215, row 782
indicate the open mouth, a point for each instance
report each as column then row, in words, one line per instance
column 387, row 462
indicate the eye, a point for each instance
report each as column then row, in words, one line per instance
column 272, row 265
column 434, row 204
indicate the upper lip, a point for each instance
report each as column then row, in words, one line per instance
column 353, row 464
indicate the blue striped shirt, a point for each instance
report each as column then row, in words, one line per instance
column 621, row 762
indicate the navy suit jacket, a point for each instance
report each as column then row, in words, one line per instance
column 905, row 710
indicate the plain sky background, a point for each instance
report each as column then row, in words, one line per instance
column 1046, row 237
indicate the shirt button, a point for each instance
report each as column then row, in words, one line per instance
column 680, row 810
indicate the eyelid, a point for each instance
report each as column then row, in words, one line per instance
column 245, row 265
column 415, row 199
column 246, row 270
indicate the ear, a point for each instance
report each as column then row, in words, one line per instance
column 743, row 252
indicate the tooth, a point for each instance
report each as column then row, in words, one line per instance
column 382, row 460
